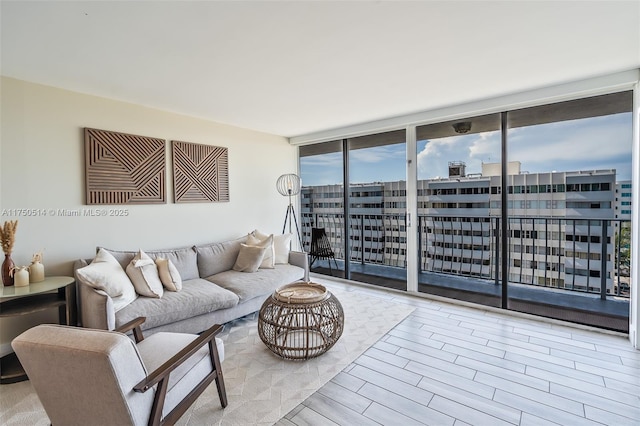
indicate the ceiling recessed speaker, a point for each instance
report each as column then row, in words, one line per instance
column 462, row 127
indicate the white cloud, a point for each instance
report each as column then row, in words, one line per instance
column 599, row 142
column 594, row 143
column 572, row 143
column 473, row 150
column 377, row 154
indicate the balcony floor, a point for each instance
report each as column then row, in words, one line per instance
column 573, row 306
column 449, row 364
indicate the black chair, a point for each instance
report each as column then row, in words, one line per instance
column 321, row 248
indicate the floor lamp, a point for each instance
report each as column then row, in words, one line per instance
column 289, row 186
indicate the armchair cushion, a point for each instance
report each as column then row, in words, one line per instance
column 158, row 348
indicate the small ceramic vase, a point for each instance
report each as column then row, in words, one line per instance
column 36, row 272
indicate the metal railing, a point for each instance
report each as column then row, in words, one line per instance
column 574, row 255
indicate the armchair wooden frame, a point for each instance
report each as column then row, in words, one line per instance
column 161, row 375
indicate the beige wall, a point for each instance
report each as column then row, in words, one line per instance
column 42, row 167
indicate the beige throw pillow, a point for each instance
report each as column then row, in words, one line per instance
column 169, row 275
column 105, row 273
column 281, row 246
column 249, row 258
column 269, row 254
column 143, row 272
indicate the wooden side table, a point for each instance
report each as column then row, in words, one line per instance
column 53, row 292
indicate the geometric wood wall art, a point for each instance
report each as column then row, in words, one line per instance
column 200, row 173
column 124, row 169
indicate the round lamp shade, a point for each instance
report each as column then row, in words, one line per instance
column 288, row 184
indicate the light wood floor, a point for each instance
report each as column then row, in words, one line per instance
column 448, row 364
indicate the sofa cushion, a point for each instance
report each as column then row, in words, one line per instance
column 197, row 297
column 184, row 259
column 217, row 257
column 261, row 283
column 268, row 258
column 168, row 274
column 281, row 245
column 249, row 258
column 106, row 274
column 143, row 272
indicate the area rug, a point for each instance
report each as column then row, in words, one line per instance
column 261, row 387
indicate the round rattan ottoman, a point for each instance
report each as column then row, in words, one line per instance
column 300, row 321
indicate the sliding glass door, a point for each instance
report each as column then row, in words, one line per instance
column 543, row 229
column 377, row 209
column 458, row 167
column 569, row 214
column 322, row 206
column 360, row 233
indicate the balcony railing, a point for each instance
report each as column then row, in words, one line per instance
column 569, row 255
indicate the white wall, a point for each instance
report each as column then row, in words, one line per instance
column 42, row 167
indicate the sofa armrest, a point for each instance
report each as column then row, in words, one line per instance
column 96, row 308
column 301, row 259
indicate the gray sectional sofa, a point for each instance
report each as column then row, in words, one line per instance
column 212, row 292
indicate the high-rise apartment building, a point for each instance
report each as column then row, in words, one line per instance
column 623, row 200
column 561, row 224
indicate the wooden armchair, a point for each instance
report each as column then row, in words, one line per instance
column 86, row 376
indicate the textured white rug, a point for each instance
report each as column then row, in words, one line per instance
column 261, row 387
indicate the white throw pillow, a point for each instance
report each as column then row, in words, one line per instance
column 169, row 274
column 143, row 272
column 105, row 273
column 281, row 246
column 269, row 254
column 249, row 258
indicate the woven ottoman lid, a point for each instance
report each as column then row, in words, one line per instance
column 301, row 293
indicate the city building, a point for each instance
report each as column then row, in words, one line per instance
column 562, row 224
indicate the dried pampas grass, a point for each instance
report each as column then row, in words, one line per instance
column 8, row 235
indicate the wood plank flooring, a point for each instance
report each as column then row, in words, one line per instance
column 449, row 364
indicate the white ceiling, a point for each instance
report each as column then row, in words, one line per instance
column 292, row 68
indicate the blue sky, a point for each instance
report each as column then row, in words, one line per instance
column 586, row 144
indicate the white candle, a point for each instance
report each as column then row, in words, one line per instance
column 21, row 277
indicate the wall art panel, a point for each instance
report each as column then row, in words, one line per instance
column 200, row 173
column 124, row 169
